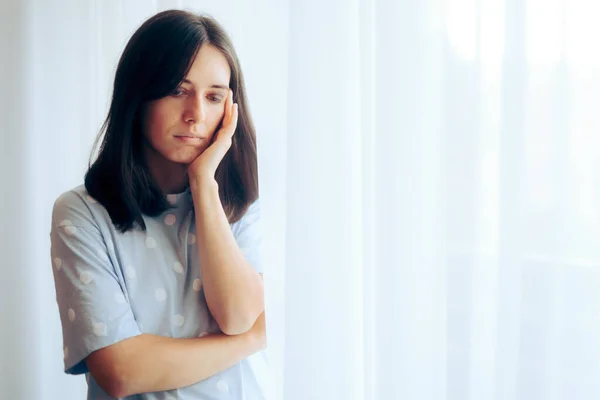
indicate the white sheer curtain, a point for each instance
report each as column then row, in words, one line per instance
column 443, row 203
column 429, row 176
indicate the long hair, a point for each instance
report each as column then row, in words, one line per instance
column 154, row 63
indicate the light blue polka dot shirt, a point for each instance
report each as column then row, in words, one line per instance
column 112, row 286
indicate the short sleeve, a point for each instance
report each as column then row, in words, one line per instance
column 248, row 236
column 93, row 310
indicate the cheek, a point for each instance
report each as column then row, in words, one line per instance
column 215, row 121
column 157, row 122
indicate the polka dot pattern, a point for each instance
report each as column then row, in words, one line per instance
column 120, row 298
column 57, row 263
column 85, row 277
column 99, row 329
column 191, row 239
column 178, row 320
column 130, row 272
column 91, row 199
column 71, row 314
column 101, row 253
column 172, row 199
column 150, row 243
column 196, row 285
column 160, row 294
column 170, row 219
column 177, row 267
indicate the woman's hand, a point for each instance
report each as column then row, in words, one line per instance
column 205, row 165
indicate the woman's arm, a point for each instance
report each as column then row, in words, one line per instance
column 234, row 290
column 150, row 363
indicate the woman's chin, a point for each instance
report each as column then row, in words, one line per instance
column 183, row 158
column 182, row 161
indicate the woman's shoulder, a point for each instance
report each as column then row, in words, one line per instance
column 74, row 207
column 253, row 209
column 250, row 217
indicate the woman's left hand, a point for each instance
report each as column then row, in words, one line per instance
column 205, row 165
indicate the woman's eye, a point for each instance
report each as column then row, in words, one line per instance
column 215, row 99
column 178, row 92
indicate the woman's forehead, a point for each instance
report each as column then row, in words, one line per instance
column 209, row 69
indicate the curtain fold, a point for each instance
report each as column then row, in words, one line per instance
column 476, row 189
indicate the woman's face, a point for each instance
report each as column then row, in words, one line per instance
column 180, row 126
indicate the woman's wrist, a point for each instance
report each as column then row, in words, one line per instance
column 203, row 185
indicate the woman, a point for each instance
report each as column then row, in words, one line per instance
column 156, row 260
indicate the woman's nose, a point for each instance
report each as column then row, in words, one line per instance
column 196, row 112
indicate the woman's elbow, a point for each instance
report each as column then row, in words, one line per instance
column 235, row 326
column 236, row 318
column 112, row 384
column 116, row 390
column 238, row 323
column 107, row 369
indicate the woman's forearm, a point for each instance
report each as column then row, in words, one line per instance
column 150, row 363
column 233, row 289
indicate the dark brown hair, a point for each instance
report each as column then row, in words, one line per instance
column 154, row 63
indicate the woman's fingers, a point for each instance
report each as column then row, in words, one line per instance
column 229, row 119
column 227, row 131
column 209, row 160
column 231, row 114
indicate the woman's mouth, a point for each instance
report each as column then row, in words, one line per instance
column 189, row 139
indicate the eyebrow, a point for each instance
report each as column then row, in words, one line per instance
column 215, row 86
